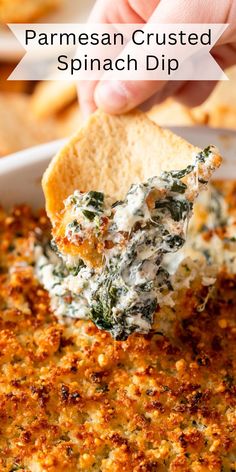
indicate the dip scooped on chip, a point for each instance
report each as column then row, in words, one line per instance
column 120, row 196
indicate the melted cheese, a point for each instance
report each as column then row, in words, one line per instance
column 116, row 272
column 74, row 399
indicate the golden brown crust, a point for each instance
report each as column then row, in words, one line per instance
column 73, row 399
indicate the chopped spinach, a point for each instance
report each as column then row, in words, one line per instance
column 90, row 215
column 76, row 269
column 174, row 242
column 75, row 226
column 90, row 203
column 179, row 174
column 179, row 209
column 60, row 271
column 123, row 296
column 118, row 202
column 178, row 187
column 94, row 199
column 203, row 155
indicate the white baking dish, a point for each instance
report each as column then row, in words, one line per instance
column 20, row 173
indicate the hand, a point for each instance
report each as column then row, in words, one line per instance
column 122, row 96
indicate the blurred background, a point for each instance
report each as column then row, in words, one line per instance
column 32, row 113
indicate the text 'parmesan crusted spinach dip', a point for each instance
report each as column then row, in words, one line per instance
column 120, row 285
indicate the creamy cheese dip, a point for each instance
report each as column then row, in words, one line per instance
column 122, row 294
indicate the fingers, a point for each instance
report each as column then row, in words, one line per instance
column 120, row 97
column 86, row 97
column 191, row 11
column 194, row 93
column 225, row 55
column 122, row 11
column 169, row 89
column 105, row 11
column 143, row 9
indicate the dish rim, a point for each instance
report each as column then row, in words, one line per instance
column 42, row 152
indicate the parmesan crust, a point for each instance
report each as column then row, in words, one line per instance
column 73, row 399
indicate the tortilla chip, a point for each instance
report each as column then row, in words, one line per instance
column 219, row 110
column 19, row 129
column 110, row 153
column 220, row 116
column 18, row 11
column 171, row 113
column 69, row 120
column 50, row 97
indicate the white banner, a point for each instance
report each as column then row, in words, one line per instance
column 118, row 51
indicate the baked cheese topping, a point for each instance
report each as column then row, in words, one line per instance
column 113, row 255
column 73, row 399
column 213, row 229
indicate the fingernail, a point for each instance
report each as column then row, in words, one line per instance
column 111, row 96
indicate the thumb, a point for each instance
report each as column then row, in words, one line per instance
column 121, row 96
